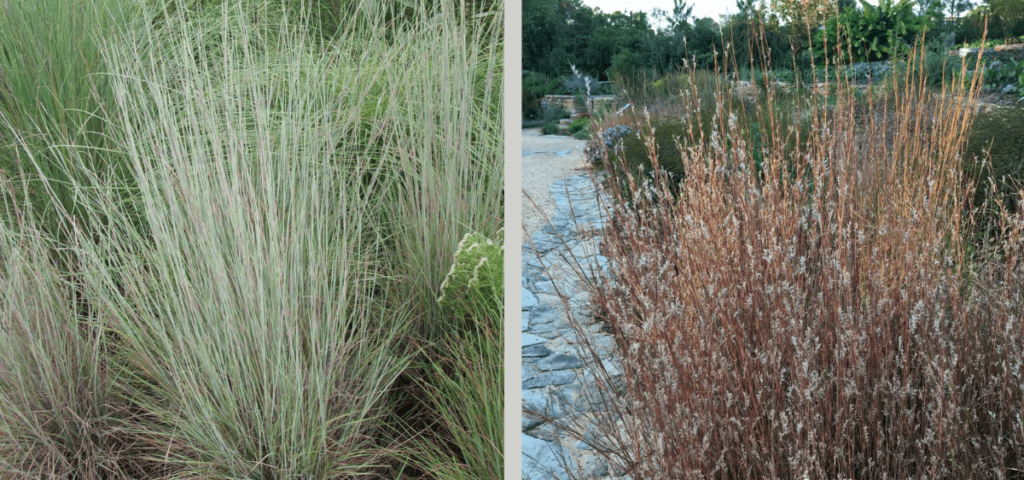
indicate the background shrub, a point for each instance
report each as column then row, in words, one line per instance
column 940, row 68
column 581, row 123
column 995, row 159
column 1003, row 19
column 535, row 87
column 668, row 136
column 1005, row 75
column 870, row 32
column 629, row 68
column 675, row 128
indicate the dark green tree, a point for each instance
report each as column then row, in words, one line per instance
column 678, row 19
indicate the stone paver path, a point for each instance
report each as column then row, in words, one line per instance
column 554, row 376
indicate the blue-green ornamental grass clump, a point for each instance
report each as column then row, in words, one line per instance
column 223, row 232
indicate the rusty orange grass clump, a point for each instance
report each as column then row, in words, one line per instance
column 814, row 306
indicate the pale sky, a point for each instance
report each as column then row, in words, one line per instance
column 701, row 8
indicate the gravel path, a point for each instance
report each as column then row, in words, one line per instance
column 546, row 158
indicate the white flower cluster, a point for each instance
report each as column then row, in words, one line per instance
column 476, row 257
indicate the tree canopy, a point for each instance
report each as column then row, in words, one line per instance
column 560, row 33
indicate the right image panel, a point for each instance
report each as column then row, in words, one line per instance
column 772, row 240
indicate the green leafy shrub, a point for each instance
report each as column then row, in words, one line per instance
column 940, row 67
column 550, row 128
column 554, row 113
column 1005, row 72
column 784, row 75
column 633, row 152
column 581, row 135
column 670, row 134
column 870, row 33
column 579, row 124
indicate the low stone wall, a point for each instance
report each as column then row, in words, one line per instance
column 995, row 50
column 568, row 102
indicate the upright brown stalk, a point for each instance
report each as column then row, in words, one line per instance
column 806, row 306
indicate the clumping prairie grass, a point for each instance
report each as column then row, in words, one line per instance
column 231, row 303
column 822, row 314
column 61, row 417
column 463, row 370
column 449, row 155
column 53, row 94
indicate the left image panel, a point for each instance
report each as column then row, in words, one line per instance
column 258, row 239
